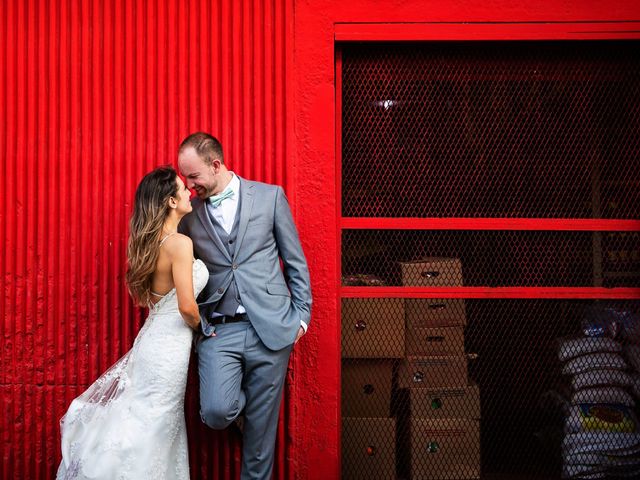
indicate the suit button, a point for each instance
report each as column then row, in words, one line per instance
column 230, row 241
column 234, row 266
column 221, row 290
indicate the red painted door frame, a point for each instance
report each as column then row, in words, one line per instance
column 459, row 31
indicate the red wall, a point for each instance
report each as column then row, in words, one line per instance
column 95, row 93
column 92, row 95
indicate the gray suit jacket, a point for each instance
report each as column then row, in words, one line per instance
column 266, row 233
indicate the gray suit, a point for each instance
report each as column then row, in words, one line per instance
column 244, row 365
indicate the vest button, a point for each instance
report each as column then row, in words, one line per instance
column 230, row 241
column 221, row 290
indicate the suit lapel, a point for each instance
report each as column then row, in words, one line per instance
column 246, row 193
column 204, row 217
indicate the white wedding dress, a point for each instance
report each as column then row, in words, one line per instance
column 130, row 423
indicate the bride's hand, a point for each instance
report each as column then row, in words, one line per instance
column 207, row 331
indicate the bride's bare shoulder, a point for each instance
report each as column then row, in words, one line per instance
column 178, row 244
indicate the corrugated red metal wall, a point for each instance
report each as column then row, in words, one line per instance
column 92, row 95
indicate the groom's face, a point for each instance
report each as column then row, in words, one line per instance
column 199, row 176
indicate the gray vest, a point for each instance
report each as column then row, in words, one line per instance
column 228, row 304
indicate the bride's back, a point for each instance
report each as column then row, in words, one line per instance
column 162, row 281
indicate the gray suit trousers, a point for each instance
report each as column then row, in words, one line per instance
column 237, row 372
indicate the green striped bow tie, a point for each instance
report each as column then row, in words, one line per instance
column 216, row 200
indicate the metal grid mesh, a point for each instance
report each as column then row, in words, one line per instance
column 491, row 258
column 452, row 388
column 496, row 392
column 491, row 130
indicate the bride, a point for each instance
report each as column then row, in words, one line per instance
column 130, row 423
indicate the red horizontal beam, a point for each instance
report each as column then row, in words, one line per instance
column 554, row 224
column 491, row 292
column 602, row 30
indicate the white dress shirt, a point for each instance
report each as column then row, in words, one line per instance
column 225, row 213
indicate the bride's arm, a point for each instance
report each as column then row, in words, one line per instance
column 181, row 251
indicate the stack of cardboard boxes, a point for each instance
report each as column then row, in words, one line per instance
column 444, row 406
column 373, row 341
column 413, row 350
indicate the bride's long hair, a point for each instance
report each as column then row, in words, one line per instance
column 150, row 210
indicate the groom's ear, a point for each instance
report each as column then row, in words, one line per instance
column 215, row 165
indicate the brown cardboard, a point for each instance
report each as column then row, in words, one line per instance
column 366, row 388
column 373, row 328
column 368, row 448
column 445, row 402
column 433, row 371
column 432, row 312
column 432, row 272
column 445, row 448
column 435, row 341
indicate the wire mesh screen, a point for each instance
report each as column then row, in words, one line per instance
column 490, row 258
column 444, row 388
column 525, row 129
column 462, row 389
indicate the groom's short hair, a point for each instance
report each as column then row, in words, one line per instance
column 206, row 146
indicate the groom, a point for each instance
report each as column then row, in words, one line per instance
column 252, row 313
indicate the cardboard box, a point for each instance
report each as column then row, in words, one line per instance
column 434, row 371
column 431, row 312
column 435, row 341
column 373, row 328
column 366, row 388
column 445, row 448
column 432, row 272
column 368, row 448
column 446, row 402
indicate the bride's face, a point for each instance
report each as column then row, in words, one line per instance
column 183, row 198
